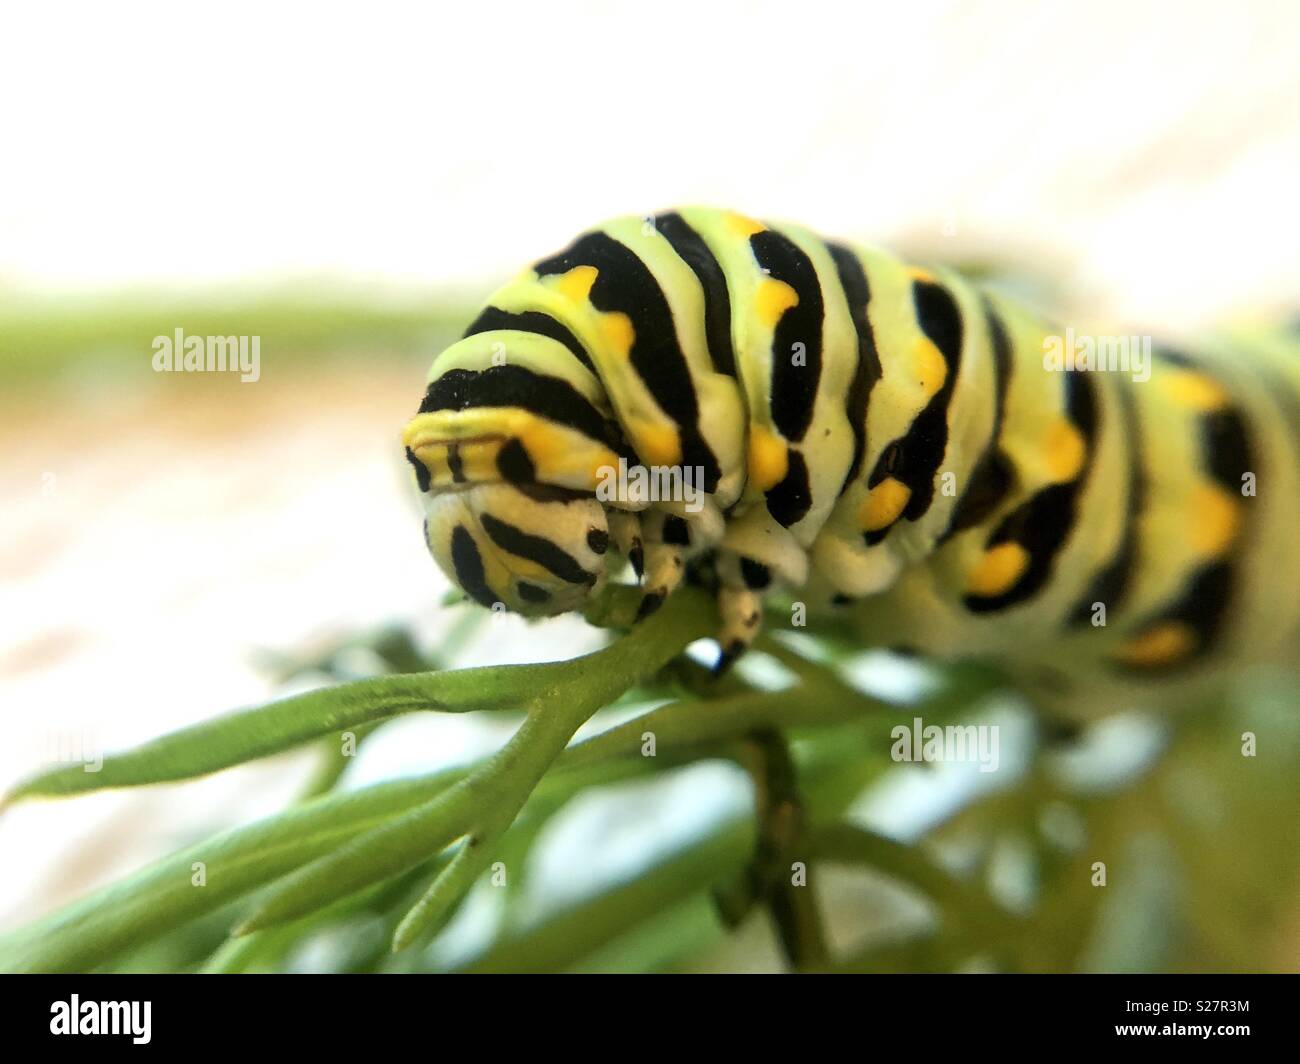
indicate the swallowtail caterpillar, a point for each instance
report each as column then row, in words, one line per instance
column 868, row 435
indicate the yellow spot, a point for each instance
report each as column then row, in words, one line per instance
column 658, row 444
column 883, row 505
column 576, row 284
column 742, row 226
column 547, row 448
column 1215, row 520
column 619, row 333
column 478, row 462
column 998, row 570
column 773, row 299
column 1195, row 390
column 931, row 369
column 1163, row 644
column 433, row 456
column 919, row 273
column 768, row 458
column 603, row 467
column 1064, row 451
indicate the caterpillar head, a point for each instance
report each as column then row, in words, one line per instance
column 534, row 552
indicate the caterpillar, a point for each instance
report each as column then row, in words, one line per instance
column 871, row 435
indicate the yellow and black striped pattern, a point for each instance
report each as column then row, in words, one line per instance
column 864, row 431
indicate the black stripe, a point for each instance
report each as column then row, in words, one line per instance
column 926, row 441
column 625, row 285
column 1112, row 583
column 1202, row 607
column 693, row 251
column 454, row 463
column 422, row 477
column 993, row 475
column 990, row 483
column 1175, row 358
column 1207, row 597
column 1040, row 526
column 756, row 575
column 857, row 293
column 537, row 549
column 493, row 319
column 915, row 458
column 542, row 492
column 531, row 592
column 794, row 388
column 468, row 563
column 790, row 500
column 1226, row 448
column 1204, row 604
column 1043, row 523
column 676, row 531
column 515, row 386
column 514, row 463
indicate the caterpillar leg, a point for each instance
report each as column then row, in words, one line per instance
column 672, row 536
column 666, row 539
column 625, row 528
column 741, row 583
column 756, row 555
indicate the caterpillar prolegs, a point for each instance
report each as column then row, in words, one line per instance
column 867, row 434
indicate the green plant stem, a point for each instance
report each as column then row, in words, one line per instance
column 481, row 807
column 164, row 895
column 781, row 816
column 271, row 729
column 282, row 725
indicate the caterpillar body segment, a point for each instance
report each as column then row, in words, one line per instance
column 836, row 423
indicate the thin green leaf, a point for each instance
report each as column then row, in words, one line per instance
column 163, row 896
column 483, row 805
column 278, row 726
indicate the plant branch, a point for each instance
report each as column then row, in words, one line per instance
column 482, row 806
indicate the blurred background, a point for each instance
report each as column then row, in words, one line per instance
column 346, row 182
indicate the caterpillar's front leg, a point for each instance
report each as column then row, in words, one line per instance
column 667, row 543
column 625, row 528
column 755, row 557
column 671, row 536
column 741, row 584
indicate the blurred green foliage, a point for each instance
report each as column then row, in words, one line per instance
column 48, row 336
column 1199, row 843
